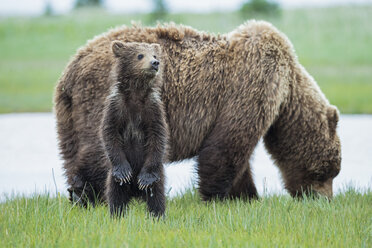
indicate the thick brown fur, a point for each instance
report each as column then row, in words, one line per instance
column 133, row 129
column 221, row 95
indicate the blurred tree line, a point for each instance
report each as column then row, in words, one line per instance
column 254, row 8
column 159, row 12
column 86, row 3
column 249, row 9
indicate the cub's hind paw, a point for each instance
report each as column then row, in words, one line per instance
column 122, row 173
column 146, row 179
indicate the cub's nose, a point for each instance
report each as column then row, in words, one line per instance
column 155, row 64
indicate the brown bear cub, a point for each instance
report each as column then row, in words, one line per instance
column 134, row 129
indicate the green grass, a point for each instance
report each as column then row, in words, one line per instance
column 273, row 221
column 334, row 44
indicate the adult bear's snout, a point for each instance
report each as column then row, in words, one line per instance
column 325, row 188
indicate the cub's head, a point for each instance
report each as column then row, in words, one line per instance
column 136, row 60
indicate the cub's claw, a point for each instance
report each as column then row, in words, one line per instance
column 147, row 179
column 122, row 173
column 142, row 186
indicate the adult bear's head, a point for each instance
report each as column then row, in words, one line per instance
column 327, row 162
column 307, row 149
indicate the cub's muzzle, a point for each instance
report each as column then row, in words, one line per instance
column 155, row 64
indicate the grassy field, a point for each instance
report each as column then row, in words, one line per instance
column 273, row 221
column 334, row 44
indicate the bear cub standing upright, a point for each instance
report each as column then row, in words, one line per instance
column 134, row 129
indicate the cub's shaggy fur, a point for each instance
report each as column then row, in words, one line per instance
column 134, row 130
column 221, row 95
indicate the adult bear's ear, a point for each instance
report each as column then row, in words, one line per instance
column 118, row 48
column 332, row 116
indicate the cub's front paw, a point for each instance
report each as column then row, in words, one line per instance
column 146, row 179
column 122, row 173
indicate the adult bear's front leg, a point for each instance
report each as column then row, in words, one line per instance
column 224, row 157
column 224, row 169
column 215, row 173
column 243, row 186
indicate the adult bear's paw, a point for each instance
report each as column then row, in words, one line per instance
column 146, row 179
column 122, row 173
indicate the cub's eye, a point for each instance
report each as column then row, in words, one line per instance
column 154, row 57
column 140, row 56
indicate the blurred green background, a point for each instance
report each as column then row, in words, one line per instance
column 334, row 44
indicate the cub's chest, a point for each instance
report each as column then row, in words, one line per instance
column 134, row 123
column 133, row 129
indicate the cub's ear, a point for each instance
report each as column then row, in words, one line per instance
column 157, row 48
column 333, row 117
column 118, row 48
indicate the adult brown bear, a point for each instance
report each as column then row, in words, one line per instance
column 221, row 95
